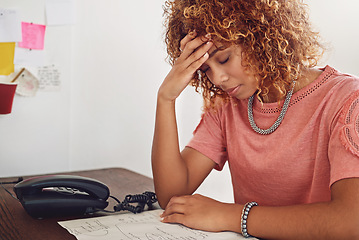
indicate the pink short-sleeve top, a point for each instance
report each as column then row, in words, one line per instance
column 316, row 144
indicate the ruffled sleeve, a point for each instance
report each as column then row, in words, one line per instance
column 349, row 117
column 344, row 143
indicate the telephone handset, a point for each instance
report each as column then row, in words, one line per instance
column 61, row 195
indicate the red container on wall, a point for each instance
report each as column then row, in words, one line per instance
column 7, row 92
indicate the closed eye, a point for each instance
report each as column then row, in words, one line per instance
column 205, row 68
column 226, row 60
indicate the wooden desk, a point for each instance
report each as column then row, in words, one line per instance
column 16, row 224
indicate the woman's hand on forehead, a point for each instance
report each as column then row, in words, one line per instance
column 191, row 42
column 195, row 53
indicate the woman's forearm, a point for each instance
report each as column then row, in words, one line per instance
column 312, row 221
column 337, row 219
column 169, row 170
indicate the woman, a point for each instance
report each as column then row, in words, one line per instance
column 287, row 128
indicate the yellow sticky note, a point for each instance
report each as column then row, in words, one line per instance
column 7, row 52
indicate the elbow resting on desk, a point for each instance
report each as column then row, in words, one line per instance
column 162, row 202
column 163, row 197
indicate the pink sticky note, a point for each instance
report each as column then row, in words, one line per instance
column 33, row 36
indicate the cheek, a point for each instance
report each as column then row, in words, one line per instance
column 209, row 76
column 237, row 71
column 246, row 75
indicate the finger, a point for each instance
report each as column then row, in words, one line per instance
column 174, row 209
column 196, row 59
column 189, row 37
column 191, row 66
column 193, row 45
column 200, row 51
column 199, row 58
column 175, row 200
column 174, row 218
column 178, row 199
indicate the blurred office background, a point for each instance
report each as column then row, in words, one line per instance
column 111, row 63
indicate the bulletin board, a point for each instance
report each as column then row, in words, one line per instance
column 27, row 49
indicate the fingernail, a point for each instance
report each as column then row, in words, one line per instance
column 208, row 35
column 193, row 32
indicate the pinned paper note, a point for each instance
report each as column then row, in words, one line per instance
column 60, row 12
column 33, row 36
column 29, row 57
column 27, row 83
column 7, row 51
column 10, row 26
column 49, row 77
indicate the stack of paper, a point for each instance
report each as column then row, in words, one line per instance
column 146, row 226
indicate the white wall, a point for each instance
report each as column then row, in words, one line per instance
column 113, row 61
column 118, row 64
column 34, row 138
column 338, row 21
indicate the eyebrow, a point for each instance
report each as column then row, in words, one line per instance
column 215, row 51
column 221, row 48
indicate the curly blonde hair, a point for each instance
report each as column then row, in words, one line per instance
column 276, row 37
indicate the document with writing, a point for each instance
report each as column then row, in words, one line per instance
column 143, row 226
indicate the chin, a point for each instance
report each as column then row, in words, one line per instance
column 243, row 97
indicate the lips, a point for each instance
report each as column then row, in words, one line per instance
column 232, row 91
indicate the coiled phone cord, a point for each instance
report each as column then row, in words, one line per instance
column 146, row 198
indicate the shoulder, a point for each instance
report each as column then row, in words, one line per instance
column 223, row 114
column 327, row 95
column 345, row 88
column 343, row 96
column 224, row 108
column 333, row 86
column 344, row 80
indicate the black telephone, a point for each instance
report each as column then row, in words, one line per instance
column 61, row 195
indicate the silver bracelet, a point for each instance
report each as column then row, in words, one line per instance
column 247, row 207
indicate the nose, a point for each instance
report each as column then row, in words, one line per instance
column 219, row 77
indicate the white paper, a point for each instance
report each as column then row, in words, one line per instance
column 27, row 85
column 29, row 57
column 60, row 12
column 143, row 226
column 49, row 77
column 10, row 26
